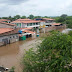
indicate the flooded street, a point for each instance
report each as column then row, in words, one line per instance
column 10, row 55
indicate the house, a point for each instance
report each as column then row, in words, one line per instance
column 57, row 24
column 8, row 35
column 28, row 32
column 7, row 25
column 4, row 20
column 26, row 23
column 45, row 21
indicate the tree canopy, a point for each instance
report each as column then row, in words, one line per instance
column 54, row 54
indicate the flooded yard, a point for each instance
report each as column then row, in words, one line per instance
column 10, row 55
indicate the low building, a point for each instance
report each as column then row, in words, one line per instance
column 7, row 25
column 8, row 35
column 56, row 24
column 45, row 21
column 26, row 23
column 4, row 20
column 28, row 32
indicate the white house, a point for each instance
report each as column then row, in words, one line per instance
column 26, row 23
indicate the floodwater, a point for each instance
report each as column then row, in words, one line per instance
column 10, row 55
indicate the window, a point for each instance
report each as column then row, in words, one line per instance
column 30, row 24
column 36, row 23
column 20, row 24
column 10, row 37
column 33, row 23
column 13, row 37
column 27, row 24
column 17, row 24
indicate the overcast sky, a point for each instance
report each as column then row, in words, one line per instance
column 35, row 7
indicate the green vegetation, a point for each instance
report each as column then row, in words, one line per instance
column 65, row 20
column 54, row 54
column 12, row 69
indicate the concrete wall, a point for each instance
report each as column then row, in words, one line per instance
column 42, row 23
column 5, row 26
column 47, row 29
column 9, row 39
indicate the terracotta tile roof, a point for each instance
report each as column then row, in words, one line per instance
column 29, row 31
column 4, row 20
column 7, row 23
column 48, row 19
column 4, row 30
column 56, row 24
column 26, row 28
column 25, row 21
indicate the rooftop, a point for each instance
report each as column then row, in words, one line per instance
column 25, row 21
column 4, row 30
column 8, row 23
column 56, row 24
column 48, row 19
column 4, row 20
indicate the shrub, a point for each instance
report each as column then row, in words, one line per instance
column 54, row 54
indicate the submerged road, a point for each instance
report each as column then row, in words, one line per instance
column 11, row 54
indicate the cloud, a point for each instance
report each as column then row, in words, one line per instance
column 35, row 7
column 13, row 2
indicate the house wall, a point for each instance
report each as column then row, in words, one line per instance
column 33, row 25
column 47, row 29
column 42, row 23
column 6, row 26
column 8, row 39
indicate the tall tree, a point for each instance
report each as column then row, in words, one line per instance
column 23, row 17
column 31, row 16
column 17, row 16
column 64, row 15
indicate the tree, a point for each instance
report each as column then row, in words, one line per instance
column 64, row 15
column 54, row 54
column 31, row 16
column 23, row 17
column 61, row 19
column 17, row 16
column 37, row 17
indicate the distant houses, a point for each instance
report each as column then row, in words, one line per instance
column 7, row 25
column 4, row 20
column 21, row 29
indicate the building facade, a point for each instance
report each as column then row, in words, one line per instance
column 8, row 35
column 7, row 25
column 26, row 23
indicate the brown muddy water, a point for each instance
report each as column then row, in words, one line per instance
column 11, row 54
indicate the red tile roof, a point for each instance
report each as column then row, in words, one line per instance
column 4, row 20
column 8, row 23
column 25, row 21
column 56, row 24
column 29, row 31
column 4, row 30
column 48, row 19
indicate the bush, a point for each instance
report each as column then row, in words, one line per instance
column 54, row 54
